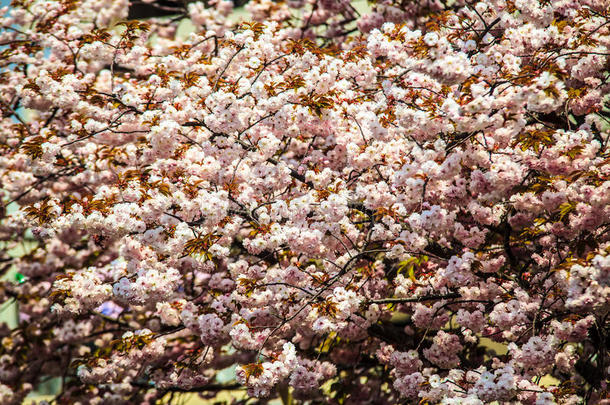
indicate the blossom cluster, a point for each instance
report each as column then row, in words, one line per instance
column 405, row 204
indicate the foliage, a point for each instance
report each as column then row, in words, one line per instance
column 344, row 205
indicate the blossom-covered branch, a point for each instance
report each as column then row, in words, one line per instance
column 345, row 205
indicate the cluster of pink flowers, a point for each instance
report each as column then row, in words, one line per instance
column 344, row 205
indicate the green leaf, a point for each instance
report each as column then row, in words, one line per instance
column 565, row 209
column 20, row 278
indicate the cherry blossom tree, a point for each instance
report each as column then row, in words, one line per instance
column 348, row 207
